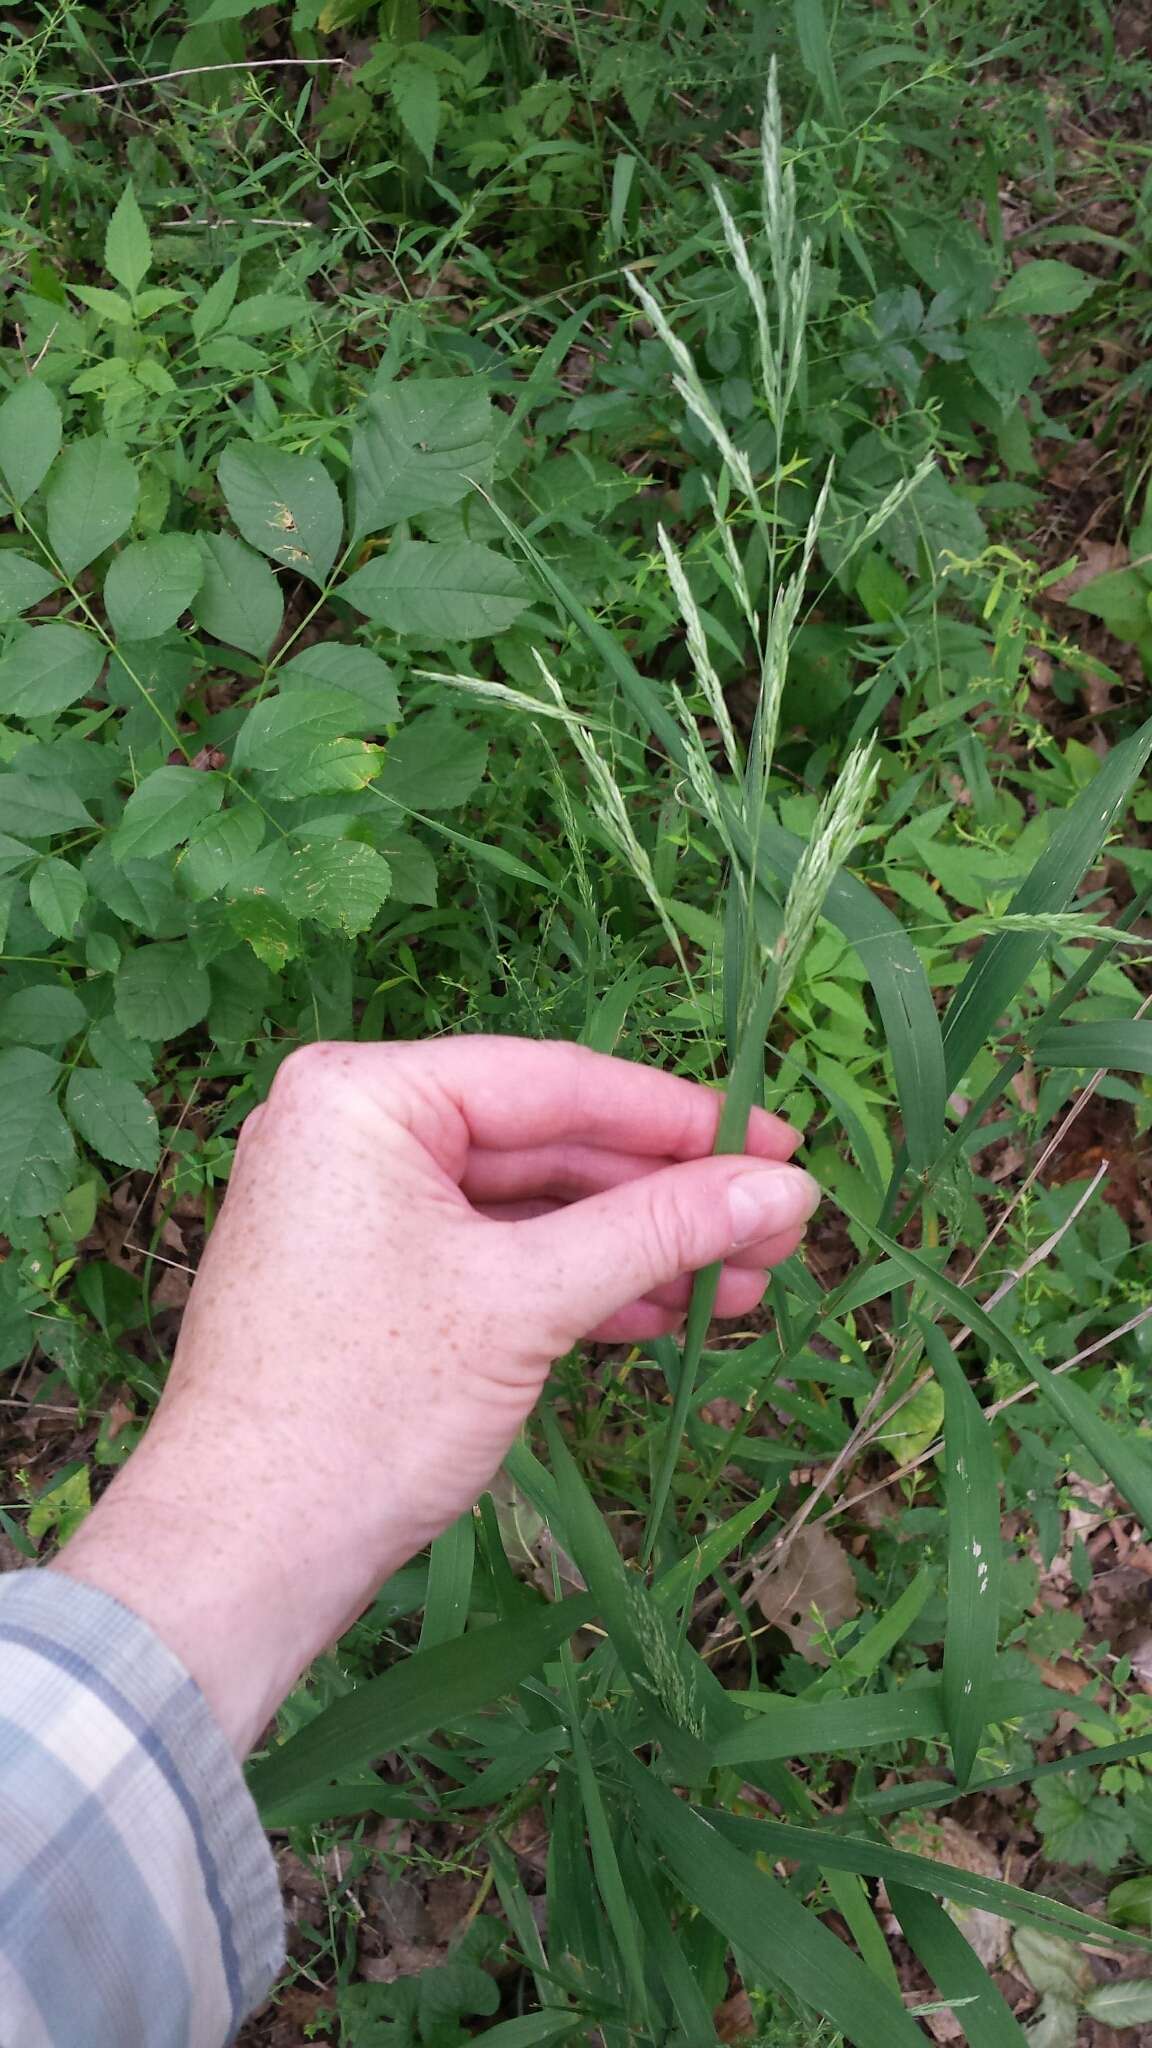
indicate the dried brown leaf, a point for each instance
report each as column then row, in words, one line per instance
column 812, row 1592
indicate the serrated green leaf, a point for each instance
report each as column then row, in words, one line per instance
column 47, row 668
column 22, row 583
column 110, row 306
column 58, row 893
column 48, row 1013
column 286, row 505
column 434, row 763
column 328, row 767
column 35, row 809
column 239, row 600
column 1080, row 1824
column 130, row 1059
column 127, row 243
column 219, row 849
column 420, row 446
column 14, row 853
column 273, row 935
column 1045, row 287
column 338, row 883
column 302, row 740
column 161, row 991
column 139, row 891
column 36, row 1149
column 416, row 98
column 1131, row 1902
column 90, row 502
column 267, row 313
column 150, row 583
column 438, row 592
column 1051, row 1964
column 113, row 1117
column 278, row 729
column 166, row 808
column 355, row 670
column 30, row 435
column 216, row 304
column 413, row 869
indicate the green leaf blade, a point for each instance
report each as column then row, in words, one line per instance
column 165, row 810
column 429, row 1691
column 127, row 243
column 761, row 1917
column 285, row 505
column 239, row 600
column 31, row 431
column 114, row 1117
column 972, row 1498
column 161, row 991
column 438, row 592
column 90, row 502
column 47, row 669
column 150, row 583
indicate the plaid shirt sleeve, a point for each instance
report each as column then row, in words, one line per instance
column 138, row 1899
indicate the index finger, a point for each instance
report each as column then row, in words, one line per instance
column 520, row 1091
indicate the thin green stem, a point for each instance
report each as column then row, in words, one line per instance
column 744, row 1084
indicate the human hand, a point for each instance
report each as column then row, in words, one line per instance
column 412, row 1234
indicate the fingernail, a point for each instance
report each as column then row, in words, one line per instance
column 773, row 1200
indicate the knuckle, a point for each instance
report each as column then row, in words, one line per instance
column 312, row 1070
column 672, row 1223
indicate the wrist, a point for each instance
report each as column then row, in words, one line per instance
column 242, row 1597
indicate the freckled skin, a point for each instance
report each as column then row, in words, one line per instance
column 411, row 1236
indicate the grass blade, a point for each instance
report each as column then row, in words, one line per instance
column 537, row 2030
column 449, row 1583
column 679, row 1693
column 776, row 1838
column 934, row 1792
column 788, row 1728
column 1005, row 962
column 870, row 1651
column 1127, row 1461
column 1124, row 1044
column 665, row 1954
column 972, row 1499
column 431, row 1690
column 609, row 1883
column 761, row 1917
column 956, row 1970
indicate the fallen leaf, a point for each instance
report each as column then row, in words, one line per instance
column 1097, row 558
column 809, row 1594
column 945, row 1841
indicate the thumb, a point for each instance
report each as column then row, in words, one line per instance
column 597, row 1256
